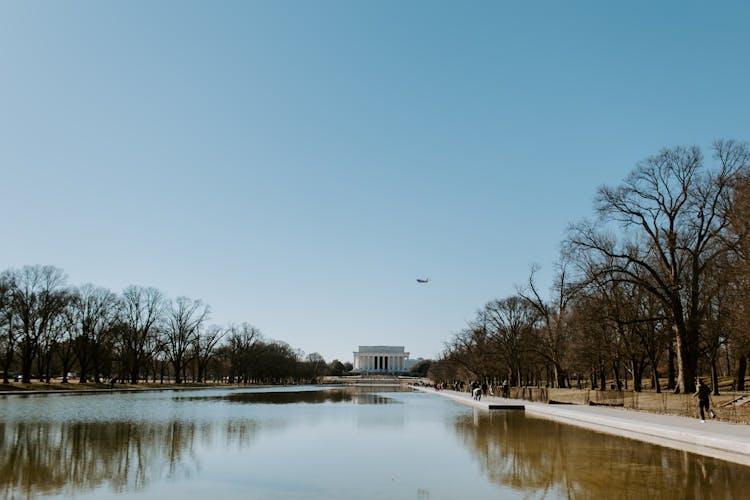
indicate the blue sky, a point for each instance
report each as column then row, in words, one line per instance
column 297, row 165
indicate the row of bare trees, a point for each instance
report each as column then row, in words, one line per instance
column 657, row 285
column 49, row 328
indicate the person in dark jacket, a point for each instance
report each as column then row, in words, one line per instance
column 703, row 393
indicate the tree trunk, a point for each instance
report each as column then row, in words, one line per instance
column 177, row 370
column 27, row 359
column 96, row 366
column 65, row 370
column 616, row 374
column 40, row 370
column 560, row 376
column 714, row 377
column 82, row 349
column 739, row 383
column 687, row 358
column 637, row 375
column 6, row 364
column 671, row 377
column 655, row 375
column 83, row 373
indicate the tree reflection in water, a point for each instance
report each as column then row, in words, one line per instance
column 53, row 458
column 171, row 446
column 48, row 456
column 312, row 397
column 356, row 395
column 550, row 459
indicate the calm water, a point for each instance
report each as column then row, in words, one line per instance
column 327, row 444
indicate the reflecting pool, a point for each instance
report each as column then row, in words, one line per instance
column 321, row 443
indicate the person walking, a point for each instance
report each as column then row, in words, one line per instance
column 475, row 390
column 703, row 393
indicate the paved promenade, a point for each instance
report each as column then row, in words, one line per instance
column 721, row 440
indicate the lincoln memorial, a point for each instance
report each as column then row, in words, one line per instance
column 380, row 359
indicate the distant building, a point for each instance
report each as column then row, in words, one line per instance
column 381, row 359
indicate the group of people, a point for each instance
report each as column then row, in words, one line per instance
column 478, row 390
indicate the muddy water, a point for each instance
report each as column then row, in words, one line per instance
column 326, row 444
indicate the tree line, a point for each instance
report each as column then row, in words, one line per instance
column 48, row 328
column 656, row 286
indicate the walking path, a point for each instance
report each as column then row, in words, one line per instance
column 721, row 440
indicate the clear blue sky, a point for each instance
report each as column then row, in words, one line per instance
column 298, row 164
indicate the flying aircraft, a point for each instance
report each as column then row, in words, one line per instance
column 423, row 280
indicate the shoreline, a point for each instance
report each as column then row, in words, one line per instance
column 722, row 440
column 102, row 388
column 57, row 387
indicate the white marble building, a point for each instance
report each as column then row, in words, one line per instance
column 381, row 359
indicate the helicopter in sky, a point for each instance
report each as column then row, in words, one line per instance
column 423, row 280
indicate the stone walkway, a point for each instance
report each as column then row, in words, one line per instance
column 721, row 440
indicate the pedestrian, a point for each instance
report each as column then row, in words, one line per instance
column 477, row 393
column 476, row 390
column 703, row 393
column 506, row 388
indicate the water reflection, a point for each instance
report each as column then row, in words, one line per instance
column 255, row 444
column 347, row 395
column 45, row 451
column 542, row 456
column 49, row 458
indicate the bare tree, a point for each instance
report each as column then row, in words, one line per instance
column 554, row 334
column 472, row 349
column 243, row 349
column 205, row 349
column 740, row 291
column 675, row 219
column 652, row 329
column 94, row 311
column 719, row 325
column 142, row 311
column 8, row 332
column 591, row 340
column 65, row 347
column 38, row 297
column 184, row 319
column 512, row 323
column 316, row 366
